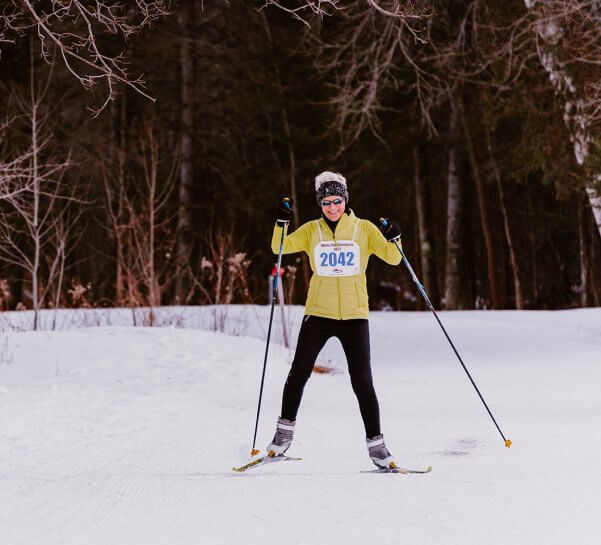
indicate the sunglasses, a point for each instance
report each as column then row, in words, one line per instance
column 335, row 202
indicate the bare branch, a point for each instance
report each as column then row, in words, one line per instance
column 318, row 8
column 73, row 29
column 401, row 12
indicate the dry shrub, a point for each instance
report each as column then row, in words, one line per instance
column 77, row 294
column 221, row 277
column 5, row 294
column 223, row 272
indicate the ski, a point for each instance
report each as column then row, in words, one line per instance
column 402, row 470
column 264, row 460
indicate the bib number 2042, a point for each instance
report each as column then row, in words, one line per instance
column 346, row 259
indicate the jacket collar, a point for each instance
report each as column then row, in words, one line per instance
column 344, row 220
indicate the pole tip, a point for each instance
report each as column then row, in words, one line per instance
column 508, row 443
column 254, row 452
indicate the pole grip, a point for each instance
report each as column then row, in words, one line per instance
column 384, row 223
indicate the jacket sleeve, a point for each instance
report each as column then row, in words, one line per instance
column 378, row 245
column 298, row 241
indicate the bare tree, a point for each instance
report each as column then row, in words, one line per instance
column 34, row 225
column 305, row 10
column 63, row 239
column 142, row 223
column 152, row 240
column 72, row 29
column 113, row 172
column 454, row 298
column 12, row 169
column 362, row 57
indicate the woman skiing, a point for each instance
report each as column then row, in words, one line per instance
column 338, row 245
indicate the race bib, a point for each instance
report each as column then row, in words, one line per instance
column 337, row 258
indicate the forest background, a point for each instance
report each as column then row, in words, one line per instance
column 144, row 147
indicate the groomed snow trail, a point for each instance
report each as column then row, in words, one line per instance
column 128, row 435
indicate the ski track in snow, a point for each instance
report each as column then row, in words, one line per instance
column 128, row 435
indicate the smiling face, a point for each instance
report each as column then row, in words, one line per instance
column 331, row 210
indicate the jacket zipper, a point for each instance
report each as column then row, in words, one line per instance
column 337, row 279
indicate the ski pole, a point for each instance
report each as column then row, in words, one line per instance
column 273, row 297
column 423, row 292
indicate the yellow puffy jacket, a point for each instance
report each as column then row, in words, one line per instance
column 344, row 297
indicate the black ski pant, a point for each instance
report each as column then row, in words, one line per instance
column 354, row 336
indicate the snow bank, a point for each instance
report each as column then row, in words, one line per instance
column 127, row 435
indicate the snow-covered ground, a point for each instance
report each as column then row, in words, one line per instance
column 123, row 435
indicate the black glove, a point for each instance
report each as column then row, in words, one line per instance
column 284, row 211
column 390, row 229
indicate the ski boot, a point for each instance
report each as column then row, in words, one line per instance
column 376, row 447
column 282, row 439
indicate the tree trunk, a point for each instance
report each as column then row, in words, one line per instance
column 515, row 266
column 594, row 258
column 59, row 285
column 35, row 226
column 493, row 285
column 151, row 203
column 532, row 239
column 121, row 158
column 454, row 294
column 595, row 201
column 184, row 224
column 584, row 258
column 426, row 242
